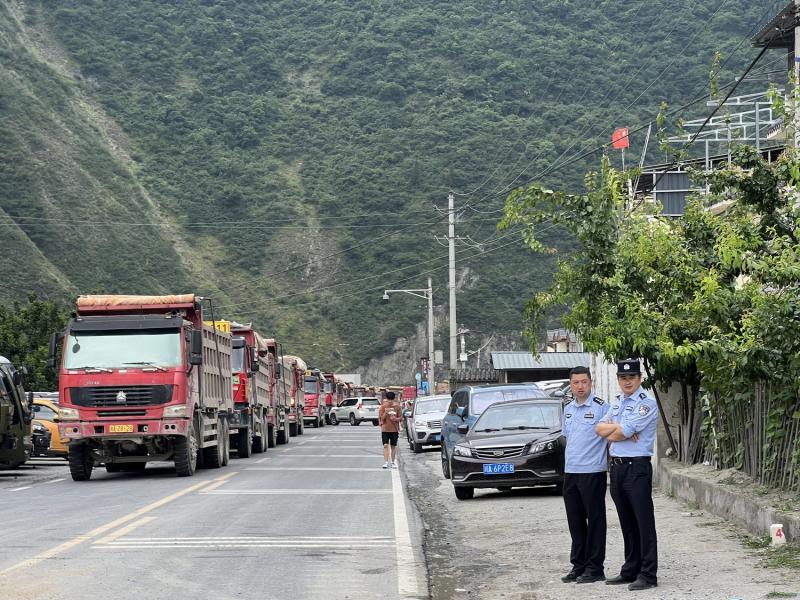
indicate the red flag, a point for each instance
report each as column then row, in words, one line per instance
column 619, row 139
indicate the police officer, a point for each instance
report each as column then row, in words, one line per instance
column 585, row 470
column 631, row 429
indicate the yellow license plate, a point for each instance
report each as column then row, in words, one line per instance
column 120, row 429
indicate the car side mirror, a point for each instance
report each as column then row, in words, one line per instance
column 196, row 357
column 461, row 412
column 559, row 394
column 463, row 428
column 406, row 413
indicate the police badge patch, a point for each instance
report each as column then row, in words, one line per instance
column 643, row 410
column 568, row 415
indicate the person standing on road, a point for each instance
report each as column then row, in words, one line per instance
column 631, row 429
column 389, row 416
column 585, row 468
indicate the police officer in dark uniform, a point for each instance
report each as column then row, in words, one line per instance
column 585, row 471
column 631, row 429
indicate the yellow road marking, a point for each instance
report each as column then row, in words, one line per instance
column 125, row 530
column 56, row 550
column 219, row 481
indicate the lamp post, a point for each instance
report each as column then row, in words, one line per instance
column 428, row 295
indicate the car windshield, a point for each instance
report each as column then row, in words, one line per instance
column 117, row 349
column 520, row 416
column 481, row 400
column 45, row 413
column 425, row 407
column 369, row 402
column 311, row 385
column 237, row 360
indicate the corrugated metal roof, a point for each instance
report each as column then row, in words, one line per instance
column 524, row 361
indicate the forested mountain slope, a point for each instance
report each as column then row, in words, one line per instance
column 283, row 156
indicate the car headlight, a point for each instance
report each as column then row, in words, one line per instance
column 542, row 447
column 68, row 414
column 174, row 412
column 420, row 423
column 461, row 450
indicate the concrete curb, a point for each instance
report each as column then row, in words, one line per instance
column 726, row 494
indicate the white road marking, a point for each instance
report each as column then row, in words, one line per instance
column 19, row 489
column 55, row 480
column 261, row 460
column 298, row 491
column 355, row 546
column 370, row 469
column 406, row 564
column 125, row 530
column 341, row 542
column 372, row 455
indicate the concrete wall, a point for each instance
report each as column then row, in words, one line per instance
column 604, row 377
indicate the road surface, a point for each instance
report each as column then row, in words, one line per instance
column 315, row 519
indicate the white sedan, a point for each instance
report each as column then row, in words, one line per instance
column 424, row 421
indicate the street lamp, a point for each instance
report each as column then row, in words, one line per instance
column 428, row 295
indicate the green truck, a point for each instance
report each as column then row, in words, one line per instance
column 15, row 417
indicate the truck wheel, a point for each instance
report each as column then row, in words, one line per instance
column 353, row 421
column 272, row 439
column 283, row 435
column 186, row 450
column 226, row 444
column 260, row 442
column 322, row 422
column 334, row 420
column 315, row 423
column 301, row 427
column 214, row 454
column 81, row 462
column 293, row 430
column 244, row 442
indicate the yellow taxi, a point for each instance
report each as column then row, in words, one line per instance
column 47, row 414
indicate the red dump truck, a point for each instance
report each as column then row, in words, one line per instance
column 143, row 379
column 260, row 418
column 314, row 398
column 293, row 370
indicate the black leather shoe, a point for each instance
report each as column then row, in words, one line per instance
column 586, row 578
column 619, row 580
column 642, row 584
column 571, row 576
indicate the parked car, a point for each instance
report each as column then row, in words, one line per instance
column 552, row 387
column 356, row 410
column 424, row 421
column 512, row 444
column 40, row 436
column 467, row 405
column 46, row 414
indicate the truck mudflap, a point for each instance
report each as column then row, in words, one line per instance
column 123, row 429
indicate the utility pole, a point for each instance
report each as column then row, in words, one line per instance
column 431, row 362
column 796, row 72
column 451, row 244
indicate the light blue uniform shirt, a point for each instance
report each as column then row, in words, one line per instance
column 637, row 414
column 586, row 451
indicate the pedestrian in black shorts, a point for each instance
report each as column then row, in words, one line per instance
column 390, row 416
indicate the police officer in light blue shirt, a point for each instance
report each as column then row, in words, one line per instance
column 585, row 468
column 631, row 429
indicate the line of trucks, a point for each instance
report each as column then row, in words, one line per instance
column 158, row 378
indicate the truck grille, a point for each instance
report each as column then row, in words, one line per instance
column 505, row 452
column 121, row 413
column 434, row 424
column 131, row 395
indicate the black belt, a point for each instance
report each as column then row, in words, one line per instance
column 619, row 460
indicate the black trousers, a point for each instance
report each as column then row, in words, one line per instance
column 631, row 489
column 585, row 501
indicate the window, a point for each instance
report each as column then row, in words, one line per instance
column 311, row 385
column 118, row 349
column 431, row 406
column 370, row 402
column 459, row 399
column 45, row 413
column 539, row 416
column 237, row 360
column 481, row 400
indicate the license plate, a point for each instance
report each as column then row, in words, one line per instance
column 371, row 409
column 498, row 468
column 120, row 429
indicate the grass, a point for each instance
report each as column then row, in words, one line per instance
column 777, row 594
column 756, row 542
column 786, row 556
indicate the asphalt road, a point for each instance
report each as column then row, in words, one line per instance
column 315, row 519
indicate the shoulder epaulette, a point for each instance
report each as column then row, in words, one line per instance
column 619, row 396
column 600, row 401
column 642, row 396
